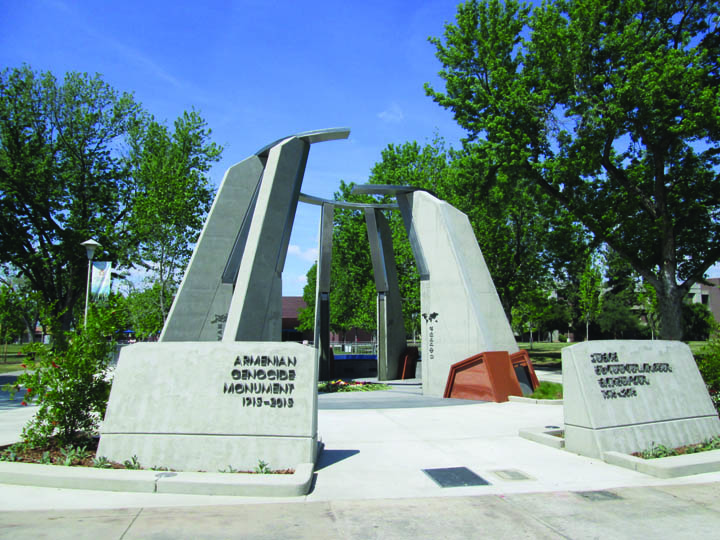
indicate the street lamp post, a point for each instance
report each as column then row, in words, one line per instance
column 90, row 247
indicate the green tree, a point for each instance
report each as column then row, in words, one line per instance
column 145, row 309
column 618, row 316
column 65, row 176
column 172, row 197
column 11, row 323
column 648, row 301
column 28, row 304
column 612, row 109
column 589, row 294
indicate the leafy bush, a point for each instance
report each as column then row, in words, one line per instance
column 70, row 385
column 661, row 451
column 708, row 362
column 548, row 390
column 353, row 386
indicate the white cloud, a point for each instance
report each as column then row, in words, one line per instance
column 392, row 115
column 309, row 254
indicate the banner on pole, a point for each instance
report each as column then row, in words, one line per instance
column 101, row 276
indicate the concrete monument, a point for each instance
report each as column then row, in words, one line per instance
column 220, row 390
column 253, row 213
column 461, row 311
column 626, row 395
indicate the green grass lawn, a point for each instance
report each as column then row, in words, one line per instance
column 548, row 354
column 11, row 360
column 544, row 354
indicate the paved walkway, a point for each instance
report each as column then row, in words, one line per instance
column 370, row 483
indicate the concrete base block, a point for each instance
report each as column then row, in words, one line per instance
column 629, row 439
column 208, row 406
column 208, row 453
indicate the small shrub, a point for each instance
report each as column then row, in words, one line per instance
column 12, row 453
column 657, row 451
column 72, row 455
column 548, row 390
column 133, row 463
column 101, row 462
column 661, row 451
column 263, row 467
column 69, row 384
column 45, row 459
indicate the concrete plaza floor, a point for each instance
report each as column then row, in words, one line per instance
column 369, row 483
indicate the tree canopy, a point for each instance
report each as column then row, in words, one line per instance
column 613, row 109
column 80, row 160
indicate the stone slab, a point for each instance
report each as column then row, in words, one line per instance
column 626, row 395
column 208, row 406
column 461, row 312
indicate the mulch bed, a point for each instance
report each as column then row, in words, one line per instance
column 55, row 452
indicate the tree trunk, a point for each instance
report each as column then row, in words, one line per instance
column 670, row 302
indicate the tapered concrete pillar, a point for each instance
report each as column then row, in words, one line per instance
column 460, row 308
column 390, row 322
column 322, row 293
column 203, row 299
column 256, row 308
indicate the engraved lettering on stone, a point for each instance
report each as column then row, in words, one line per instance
column 254, row 379
column 624, row 377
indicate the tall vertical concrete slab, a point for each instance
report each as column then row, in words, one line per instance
column 322, row 293
column 256, row 309
column 203, row 300
column 390, row 322
column 460, row 308
column 202, row 305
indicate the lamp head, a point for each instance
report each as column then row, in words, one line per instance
column 90, row 247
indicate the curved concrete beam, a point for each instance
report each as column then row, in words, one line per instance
column 318, row 201
column 310, row 137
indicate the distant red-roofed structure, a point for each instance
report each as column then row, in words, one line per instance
column 291, row 306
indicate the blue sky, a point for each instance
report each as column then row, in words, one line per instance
column 256, row 71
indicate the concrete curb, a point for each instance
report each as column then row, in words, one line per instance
column 549, row 436
column 519, row 399
column 667, row 467
column 189, row 483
